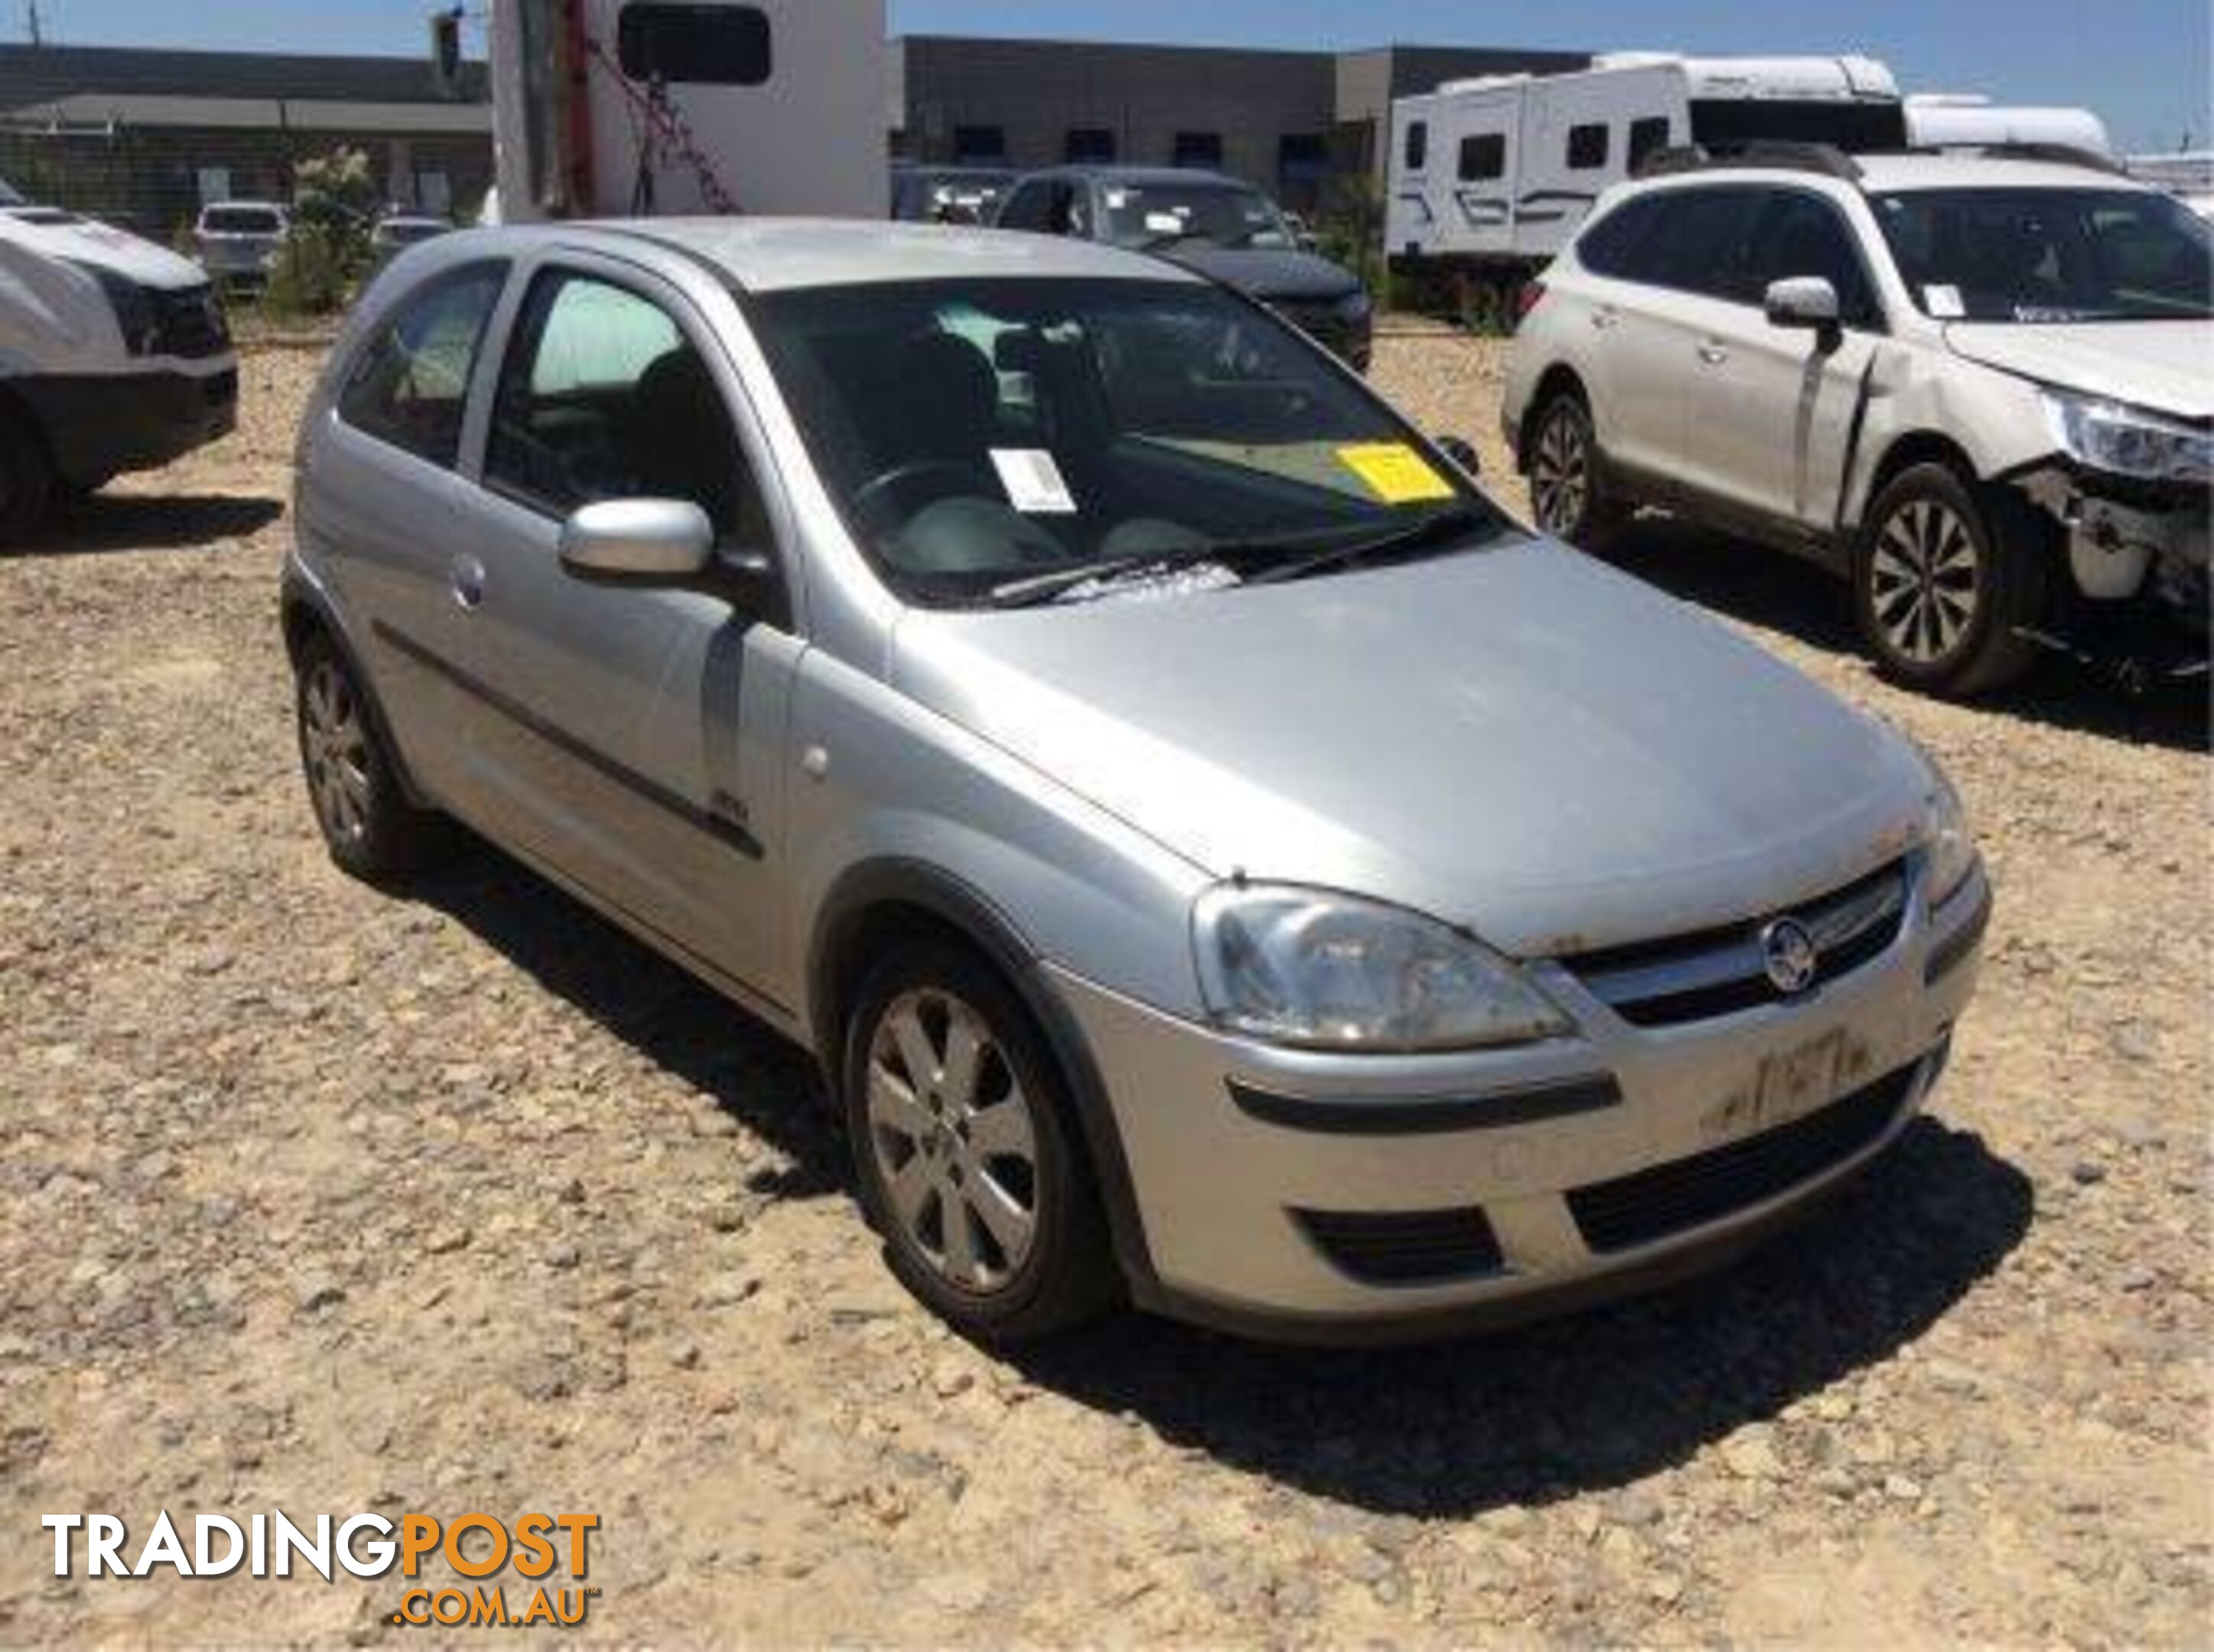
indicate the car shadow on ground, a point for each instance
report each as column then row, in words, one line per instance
column 1596, row 1400
column 687, row 1028
column 104, row 523
column 1777, row 592
column 1583, row 1403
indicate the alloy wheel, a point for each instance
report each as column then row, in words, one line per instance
column 954, row 1140
column 334, row 743
column 1925, row 581
column 1560, row 473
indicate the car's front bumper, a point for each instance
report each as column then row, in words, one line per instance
column 98, row 425
column 1321, row 1197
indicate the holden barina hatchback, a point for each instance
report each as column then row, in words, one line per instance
column 1220, row 861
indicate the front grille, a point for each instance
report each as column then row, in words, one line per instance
column 1722, row 971
column 1421, row 1247
column 188, row 322
column 1686, row 1193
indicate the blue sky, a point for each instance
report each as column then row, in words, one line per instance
column 2144, row 64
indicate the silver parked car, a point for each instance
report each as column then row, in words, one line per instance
column 1219, row 859
column 238, row 241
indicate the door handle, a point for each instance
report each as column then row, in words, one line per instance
column 469, row 582
column 1713, row 354
column 1604, row 318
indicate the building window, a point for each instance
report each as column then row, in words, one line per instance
column 1483, row 155
column 1418, row 145
column 1587, row 147
column 1647, row 137
column 215, row 185
column 1090, row 146
column 434, row 191
column 1199, row 149
column 1302, row 157
column 695, row 44
column 980, row 146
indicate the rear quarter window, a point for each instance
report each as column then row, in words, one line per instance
column 408, row 385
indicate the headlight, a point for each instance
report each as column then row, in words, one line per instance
column 2127, row 441
column 1355, row 306
column 1951, row 846
column 1326, row 971
column 134, row 309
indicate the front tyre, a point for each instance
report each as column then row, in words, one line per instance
column 27, row 483
column 1944, row 586
column 964, row 1150
column 370, row 828
column 1567, row 489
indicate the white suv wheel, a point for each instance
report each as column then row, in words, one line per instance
column 1926, row 581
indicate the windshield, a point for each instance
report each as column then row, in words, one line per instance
column 996, row 441
column 241, row 221
column 1159, row 214
column 2050, row 256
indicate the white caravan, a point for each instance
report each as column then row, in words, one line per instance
column 646, row 108
column 1940, row 120
column 1498, row 173
column 114, row 357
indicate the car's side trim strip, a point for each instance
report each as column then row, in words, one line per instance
column 1497, row 1110
column 728, row 833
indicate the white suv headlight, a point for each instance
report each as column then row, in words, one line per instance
column 2126, row 441
column 1326, row 971
column 1951, row 845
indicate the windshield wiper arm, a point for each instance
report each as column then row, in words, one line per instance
column 1451, row 523
column 1041, row 588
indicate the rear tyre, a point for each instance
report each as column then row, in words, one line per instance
column 1568, row 493
column 1945, row 582
column 371, row 829
column 964, row 1150
column 26, row 478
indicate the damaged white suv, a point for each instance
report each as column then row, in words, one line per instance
column 1980, row 386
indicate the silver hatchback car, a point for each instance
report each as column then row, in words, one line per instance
column 1220, row 860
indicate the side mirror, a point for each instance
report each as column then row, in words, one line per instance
column 657, row 541
column 1461, row 451
column 1803, row 300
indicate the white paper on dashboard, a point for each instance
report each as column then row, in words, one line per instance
column 1034, row 482
column 1944, row 302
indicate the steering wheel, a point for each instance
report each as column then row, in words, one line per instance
column 900, row 479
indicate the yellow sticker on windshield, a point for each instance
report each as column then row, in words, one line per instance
column 1395, row 473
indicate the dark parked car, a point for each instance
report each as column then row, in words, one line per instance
column 1208, row 223
column 948, row 194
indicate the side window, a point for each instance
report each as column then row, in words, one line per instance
column 410, row 384
column 1647, row 137
column 1615, row 245
column 1418, row 145
column 603, row 397
column 1090, row 146
column 1483, row 156
column 695, row 44
column 1587, row 147
column 1801, row 234
column 1027, row 208
column 1698, row 240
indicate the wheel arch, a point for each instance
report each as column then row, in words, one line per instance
column 305, row 614
column 880, row 902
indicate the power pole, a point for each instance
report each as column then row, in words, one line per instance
column 37, row 28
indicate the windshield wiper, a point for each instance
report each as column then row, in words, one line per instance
column 1452, row 523
column 1040, row 589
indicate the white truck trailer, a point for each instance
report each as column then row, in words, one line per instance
column 644, row 109
column 1491, row 177
column 1937, row 120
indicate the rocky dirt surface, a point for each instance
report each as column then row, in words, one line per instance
column 320, row 1199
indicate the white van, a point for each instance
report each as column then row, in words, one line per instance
column 1497, row 173
column 702, row 106
column 114, row 357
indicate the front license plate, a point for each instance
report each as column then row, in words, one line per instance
column 1787, row 1087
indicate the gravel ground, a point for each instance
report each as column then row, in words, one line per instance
column 318, row 1199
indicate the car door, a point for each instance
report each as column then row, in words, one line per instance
column 637, row 748
column 1654, row 301
column 381, row 504
column 1781, row 399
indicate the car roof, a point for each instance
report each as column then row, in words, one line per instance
column 1898, row 173
column 770, row 254
column 1132, row 174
